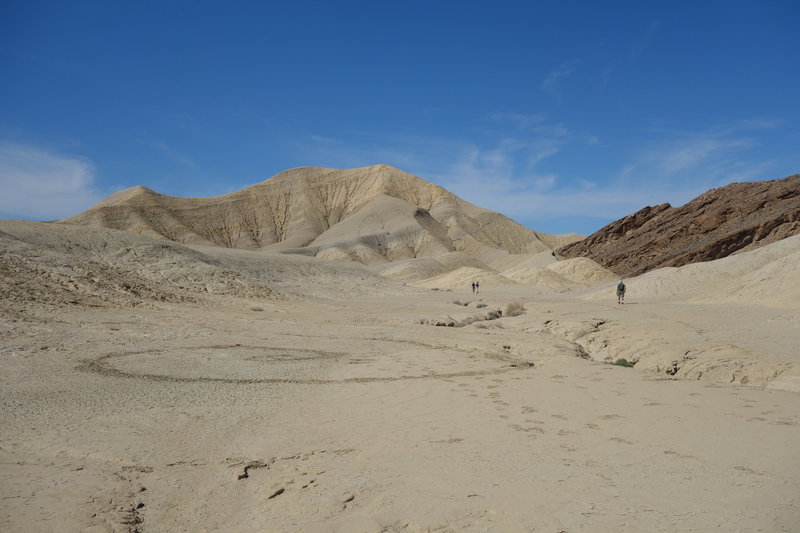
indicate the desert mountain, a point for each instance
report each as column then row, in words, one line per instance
column 731, row 219
column 373, row 215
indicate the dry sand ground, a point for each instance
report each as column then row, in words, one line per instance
column 151, row 387
column 334, row 410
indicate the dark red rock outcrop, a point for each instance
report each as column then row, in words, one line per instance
column 718, row 223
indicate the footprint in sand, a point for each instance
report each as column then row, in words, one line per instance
column 678, row 454
column 517, row 427
column 621, row 440
column 611, row 417
column 748, row 470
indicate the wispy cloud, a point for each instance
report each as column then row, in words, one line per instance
column 552, row 81
column 692, row 162
column 507, row 174
column 502, row 175
column 641, row 43
column 521, row 121
column 40, row 184
column 644, row 39
column 170, row 153
column 325, row 140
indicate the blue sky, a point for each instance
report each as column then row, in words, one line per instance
column 562, row 115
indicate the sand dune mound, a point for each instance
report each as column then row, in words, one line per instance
column 583, row 271
column 422, row 268
column 731, row 219
column 509, row 263
column 766, row 276
column 54, row 264
column 545, row 272
column 462, row 278
column 59, row 264
column 542, row 278
column 370, row 215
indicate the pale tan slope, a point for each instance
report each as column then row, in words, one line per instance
column 582, row 270
column 339, row 214
column 557, row 241
column 766, row 276
column 462, row 278
column 384, row 230
column 60, row 264
column 542, row 278
column 421, row 268
column 509, row 263
column 541, row 271
column 545, row 272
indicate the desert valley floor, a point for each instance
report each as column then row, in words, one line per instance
column 348, row 410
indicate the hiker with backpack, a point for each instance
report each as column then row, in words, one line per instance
column 621, row 292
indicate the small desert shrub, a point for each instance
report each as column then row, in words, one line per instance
column 481, row 305
column 491, row 315
column 515, row 309
column 623, row 362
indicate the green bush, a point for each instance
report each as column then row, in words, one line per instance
column 623, row 362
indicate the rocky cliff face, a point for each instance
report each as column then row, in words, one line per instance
column 371, row 215
column 720, row 222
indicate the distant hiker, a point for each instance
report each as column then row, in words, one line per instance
column 473, row 286
column 620, row 292
column 478, row 286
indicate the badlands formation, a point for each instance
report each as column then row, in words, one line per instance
column 279, row 359
column 721, row 222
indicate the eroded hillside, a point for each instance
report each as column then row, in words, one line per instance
column 731, row 219
column 372, row 215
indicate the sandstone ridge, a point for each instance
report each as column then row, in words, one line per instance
column 731, row 219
